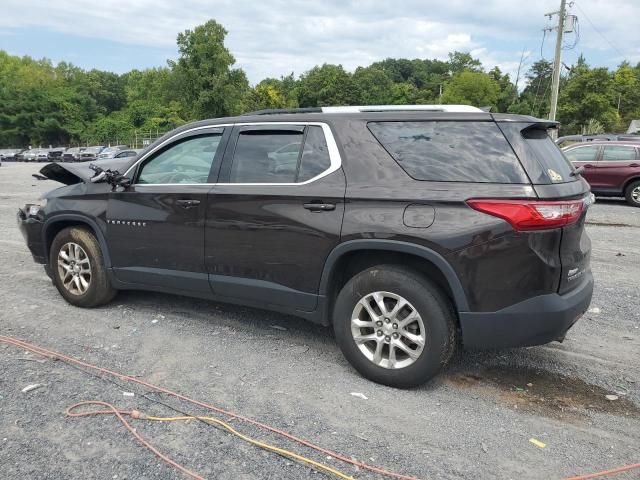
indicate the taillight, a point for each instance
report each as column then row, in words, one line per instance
column 531, row 214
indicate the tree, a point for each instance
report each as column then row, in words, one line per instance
column 327, row 85
column 587, row 94
column 537, row 93
column 373, row 86
column 209, row 87
column 460, row 61
column 471, row 88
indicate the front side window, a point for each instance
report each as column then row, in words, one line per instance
column 620, row 153
column 450, row 151
column 187, row 161
column 582, row 154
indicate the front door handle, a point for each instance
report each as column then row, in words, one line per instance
column 634, row 165
column 320, row 207
column 588, row 165
column 187, row 203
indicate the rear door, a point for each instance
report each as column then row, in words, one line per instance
column 587, row 156
column 274, row 216
column 155, row 228
column 619, row 162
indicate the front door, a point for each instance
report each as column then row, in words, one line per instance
column 586, row 156
column 275, row 214
column 155, row 228
column 619, row 162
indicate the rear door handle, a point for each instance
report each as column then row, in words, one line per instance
column 588, row 165
column 635, row 165
column 187, row 203
column 320, row 207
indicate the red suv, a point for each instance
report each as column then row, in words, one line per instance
column 611, row 168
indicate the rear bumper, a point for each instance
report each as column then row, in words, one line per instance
column 31, row 228
column 535, row 321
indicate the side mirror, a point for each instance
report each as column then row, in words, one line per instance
column 122, row 181
column 99, row 177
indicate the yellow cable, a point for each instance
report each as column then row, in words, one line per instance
column 258, row 443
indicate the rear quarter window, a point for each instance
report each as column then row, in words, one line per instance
column 450, row 151
column 557, row 167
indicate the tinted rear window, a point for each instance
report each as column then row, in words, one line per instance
column 550, row 157
column 451, row 151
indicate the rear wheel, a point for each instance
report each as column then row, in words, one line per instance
column 632, row 194
column 77, row 268
column 394, row 326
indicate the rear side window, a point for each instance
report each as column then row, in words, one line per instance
column 279, row 155
column 613, row 153
column 583, row 154
column 451, row 151
column 266, row 156
column 550, row 157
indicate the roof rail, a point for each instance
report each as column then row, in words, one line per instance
column 401, row 108
column 371, row 108
column 270, row 111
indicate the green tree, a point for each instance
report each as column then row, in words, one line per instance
column 471, row 88
column 373, row 86
column 327, row 85
column 460, row 61
column 587, row 94
column 209, row 86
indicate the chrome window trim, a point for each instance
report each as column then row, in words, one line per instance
column 332, row 146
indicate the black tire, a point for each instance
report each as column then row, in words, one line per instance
column 431, row 304
column 99, row 290
column 633, row 189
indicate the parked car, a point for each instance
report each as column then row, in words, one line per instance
column 567, row 140
column 19, row 156
column 89, row 154
column 111, row 152
column 611, row 168
column 72, row 154
column 9, row 154
column 408, row 229
column 30, row 155
column 42, row 155
column 55, row 154
column 128, row 153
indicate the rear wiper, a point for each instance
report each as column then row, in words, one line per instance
column 39, row 177
column 577, row 171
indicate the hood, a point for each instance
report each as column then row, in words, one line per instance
column 71, row 173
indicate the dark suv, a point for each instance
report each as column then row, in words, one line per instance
column 611, row 168
column 406, row 229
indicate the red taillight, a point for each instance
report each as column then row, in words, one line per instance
column 531, row 214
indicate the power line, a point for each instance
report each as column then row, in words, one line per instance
column 599, row 32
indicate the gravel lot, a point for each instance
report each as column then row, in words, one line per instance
column 474, row 421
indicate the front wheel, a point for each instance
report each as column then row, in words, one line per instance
column 394, row 326
column 77, row 267
column 632, row 194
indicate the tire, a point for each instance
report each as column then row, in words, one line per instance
column 438, row 328
column 92, row 287
column 632, row 194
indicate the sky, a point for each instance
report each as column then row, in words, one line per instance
column 271, row 38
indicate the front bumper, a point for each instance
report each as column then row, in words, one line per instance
column 535, row 321
column 31, row 228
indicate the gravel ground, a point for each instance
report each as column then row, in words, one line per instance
column 474, row 421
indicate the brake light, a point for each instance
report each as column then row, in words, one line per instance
column 526, row 215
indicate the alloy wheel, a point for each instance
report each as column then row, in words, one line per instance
column 388, row 330
column 74, row 268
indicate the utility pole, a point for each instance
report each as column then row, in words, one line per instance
column 555, row 82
